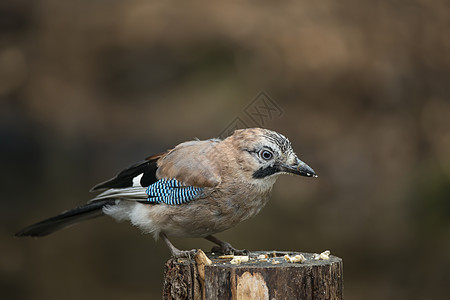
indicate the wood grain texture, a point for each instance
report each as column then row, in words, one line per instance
column 255, row 279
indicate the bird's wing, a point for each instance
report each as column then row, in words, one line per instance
column 141, row 174
column 172, row 192
column 191, row 163
column 174, row 177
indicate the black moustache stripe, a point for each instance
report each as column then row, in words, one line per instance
column 264, row 172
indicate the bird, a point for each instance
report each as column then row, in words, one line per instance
column 194, row 190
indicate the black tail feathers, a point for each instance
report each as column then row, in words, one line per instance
column 67, row 218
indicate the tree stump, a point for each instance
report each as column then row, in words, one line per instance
column 266, row 275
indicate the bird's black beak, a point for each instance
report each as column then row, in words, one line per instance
column 299, row 168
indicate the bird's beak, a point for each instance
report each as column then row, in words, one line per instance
column 299, row 168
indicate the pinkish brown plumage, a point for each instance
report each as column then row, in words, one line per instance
column 196, row 189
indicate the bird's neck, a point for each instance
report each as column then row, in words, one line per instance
column 264, row 185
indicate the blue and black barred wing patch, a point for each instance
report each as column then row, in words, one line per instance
column 172, row 192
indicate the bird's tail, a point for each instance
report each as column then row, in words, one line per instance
column 67, row 218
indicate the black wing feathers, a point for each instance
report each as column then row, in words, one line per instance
column 125, row 178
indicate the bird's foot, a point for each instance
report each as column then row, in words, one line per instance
column 226, row 248
column 176, row 253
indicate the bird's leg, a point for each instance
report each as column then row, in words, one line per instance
column 175, row 251
column 224, row 247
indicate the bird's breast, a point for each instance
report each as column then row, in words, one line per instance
column 229, row 209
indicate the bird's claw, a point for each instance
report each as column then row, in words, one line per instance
column 241, row 251
column 229, row 250
column 184, row 253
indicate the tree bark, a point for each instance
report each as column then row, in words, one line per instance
column 271, row 277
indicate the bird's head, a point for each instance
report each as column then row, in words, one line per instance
column 265, row 154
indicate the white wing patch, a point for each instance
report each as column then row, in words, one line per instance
column 137, row 180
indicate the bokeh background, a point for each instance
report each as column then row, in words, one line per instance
column 90, row 87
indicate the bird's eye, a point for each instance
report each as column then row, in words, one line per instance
column 266, row 154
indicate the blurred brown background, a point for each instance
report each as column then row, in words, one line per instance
column 90, row 87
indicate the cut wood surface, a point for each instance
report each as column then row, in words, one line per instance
column 266, row 275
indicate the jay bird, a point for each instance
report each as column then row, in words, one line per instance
column 196, row 189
